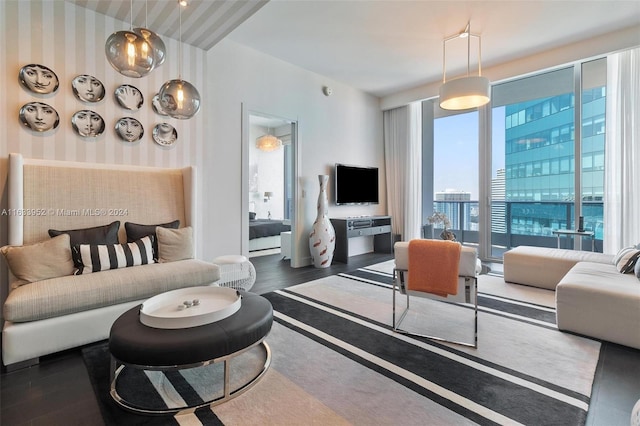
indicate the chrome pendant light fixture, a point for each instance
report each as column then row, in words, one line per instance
column 134, row 53
column 470, row 91
column 179, row 98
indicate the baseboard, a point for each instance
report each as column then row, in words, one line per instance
column 20, row 365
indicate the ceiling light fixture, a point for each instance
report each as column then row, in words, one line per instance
column 179, row 98
column 268, row 143
column 134, row 53
column 470, row 91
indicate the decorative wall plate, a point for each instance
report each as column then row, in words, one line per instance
column 165, row 134
column 39, row 116
column 87, row 123
column 87, row 88
column 157, row 107
column 129, row 97
column 129, row 129
column 38, row 79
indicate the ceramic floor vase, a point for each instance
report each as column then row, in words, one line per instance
column 322, row 239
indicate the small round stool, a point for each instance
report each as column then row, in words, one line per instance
column 236, row 272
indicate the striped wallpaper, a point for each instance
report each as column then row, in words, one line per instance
column 70, row 40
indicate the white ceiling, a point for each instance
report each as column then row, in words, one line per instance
column 382, row 47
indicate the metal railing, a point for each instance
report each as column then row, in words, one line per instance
column 516, row 223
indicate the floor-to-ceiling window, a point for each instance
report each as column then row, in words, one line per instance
column 538, row 158
column 455, row 171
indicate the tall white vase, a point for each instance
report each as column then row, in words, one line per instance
column 322, row 239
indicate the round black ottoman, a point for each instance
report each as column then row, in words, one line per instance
column 134, row 345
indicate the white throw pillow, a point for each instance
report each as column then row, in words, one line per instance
column 174, row 244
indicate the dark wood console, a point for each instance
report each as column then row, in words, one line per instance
column 350, row 227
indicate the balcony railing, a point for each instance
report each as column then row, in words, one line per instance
column 516, row 223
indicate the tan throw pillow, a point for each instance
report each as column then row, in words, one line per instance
column 174, row 244
column 40, row 261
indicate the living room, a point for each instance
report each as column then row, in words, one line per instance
column 345, row 127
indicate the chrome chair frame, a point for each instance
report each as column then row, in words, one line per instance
column 400, row 286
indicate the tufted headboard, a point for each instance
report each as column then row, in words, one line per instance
column 47, row 194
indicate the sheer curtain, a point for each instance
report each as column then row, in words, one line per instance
column 622, row 152
column 402, row 150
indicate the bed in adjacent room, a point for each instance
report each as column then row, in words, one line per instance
column 265, row 233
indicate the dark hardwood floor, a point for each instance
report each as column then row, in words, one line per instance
column 58, row 391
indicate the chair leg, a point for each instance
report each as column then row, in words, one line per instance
column 398, row 280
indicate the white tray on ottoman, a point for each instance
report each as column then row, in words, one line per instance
column 171, row 310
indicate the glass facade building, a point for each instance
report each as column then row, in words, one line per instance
column 540, row 164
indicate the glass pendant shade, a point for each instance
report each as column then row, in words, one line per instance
column 464, row 93
column 156, row 48
column 129, row 54
column 179, row 98
column 268, row 143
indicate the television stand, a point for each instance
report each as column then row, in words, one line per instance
column 350, row 227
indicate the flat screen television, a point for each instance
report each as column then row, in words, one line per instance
column 356, row 185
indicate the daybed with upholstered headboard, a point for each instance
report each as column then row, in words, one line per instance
column 112, row 212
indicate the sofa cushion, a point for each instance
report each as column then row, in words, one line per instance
column 136, row 231
column 596, row 300
column 544, row 267
column 102, row 257
column 174, row 244
column 39, row 261
column 77, row 293
column 107, row 234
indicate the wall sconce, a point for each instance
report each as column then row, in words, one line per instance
column 267, row 196
column 466, row 92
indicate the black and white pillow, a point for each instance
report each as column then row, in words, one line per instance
column 627, row 262
column 102, row 257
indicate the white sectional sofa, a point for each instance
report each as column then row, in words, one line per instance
column 64, row 310
column 592, row 297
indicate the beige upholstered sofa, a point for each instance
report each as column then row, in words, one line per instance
column 592, row 297
column 61, row 312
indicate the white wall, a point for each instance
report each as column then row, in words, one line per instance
column 345, row 127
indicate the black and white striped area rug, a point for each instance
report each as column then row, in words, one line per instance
column 337, row 361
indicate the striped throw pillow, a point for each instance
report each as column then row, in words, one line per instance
column 627, row 262
column 96, row 258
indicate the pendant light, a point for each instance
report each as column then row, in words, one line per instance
column 470, row 91
column 154, row 45
column 179, row 98
column 268, row 143
column 134, row 53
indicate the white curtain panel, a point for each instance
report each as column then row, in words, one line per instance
column 622, row 152
column 403, row 156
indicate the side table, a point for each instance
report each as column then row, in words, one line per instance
column 573, row 232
